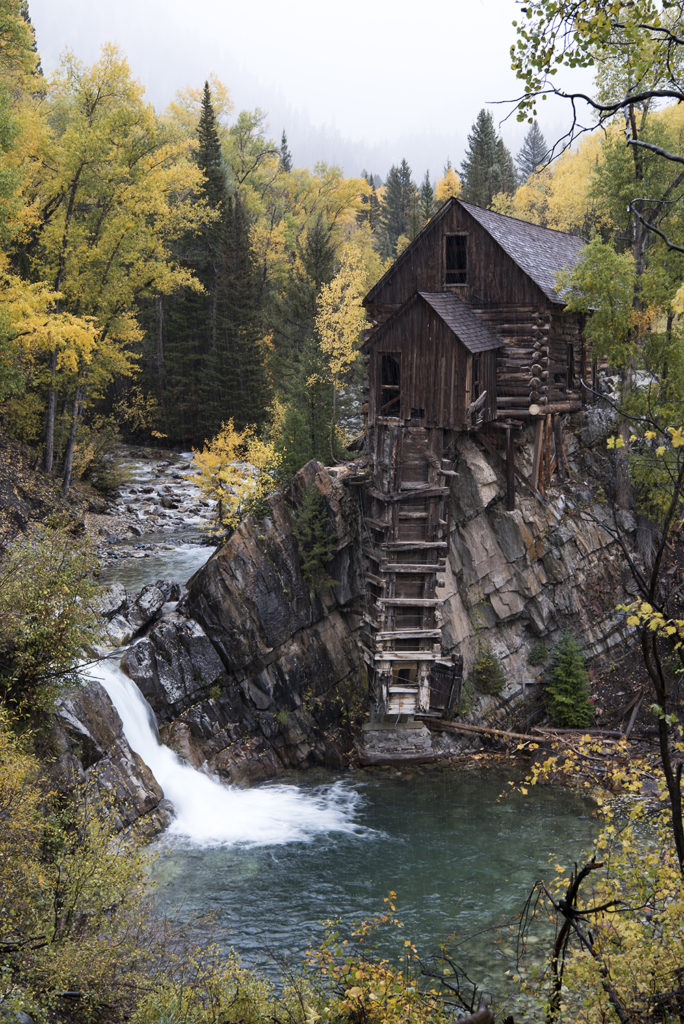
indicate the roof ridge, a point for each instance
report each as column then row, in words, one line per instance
column 519, row 220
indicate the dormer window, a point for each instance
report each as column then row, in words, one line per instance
column 455, row 259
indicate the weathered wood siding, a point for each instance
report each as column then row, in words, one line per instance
column 435, row 370
column 493, row 278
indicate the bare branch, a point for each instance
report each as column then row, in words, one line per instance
column 651, row 227
column 656, row 149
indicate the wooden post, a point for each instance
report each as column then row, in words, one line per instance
column 536, row 459
column 510, row 469
column 547, row 431
column 558, row 441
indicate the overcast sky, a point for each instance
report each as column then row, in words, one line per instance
column 361, row 83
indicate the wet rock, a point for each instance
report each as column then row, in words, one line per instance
column 111, row 600
column 91, row 747
column 170, row 589
column 174, row 665
column 119, row 631
column 476, row 484
column 147, row 606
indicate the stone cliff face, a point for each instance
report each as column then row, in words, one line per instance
column 514, row 578
column 255, row 673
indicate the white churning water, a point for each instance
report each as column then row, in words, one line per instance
column 211, row 814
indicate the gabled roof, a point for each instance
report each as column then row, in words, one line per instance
column 471, row 330
column 474, row 332
column 540, row 252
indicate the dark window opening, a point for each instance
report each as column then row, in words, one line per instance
column 456, row 259
column 390, row 384
column 570, row 358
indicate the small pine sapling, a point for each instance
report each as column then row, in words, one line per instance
column 566, row 685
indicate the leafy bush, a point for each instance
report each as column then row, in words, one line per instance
column 45, row 619
column 566, row 685
column 487, row 674
column 538, row 653
column 238, row 471
column 96, row 443
column 71, row 893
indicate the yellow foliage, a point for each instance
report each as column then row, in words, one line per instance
column 185, row 110
column 633, row 939
column 340, row 317
column 237, row 470
column 71, row 892
column 448, row 186
column 560, row 196
column 370, row 989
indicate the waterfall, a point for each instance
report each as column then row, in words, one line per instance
column 209, row 813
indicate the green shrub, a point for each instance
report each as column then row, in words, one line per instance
column 487, row 674
column 45, row 618
column 538, row 653
column 566, row 685
column 316, row 548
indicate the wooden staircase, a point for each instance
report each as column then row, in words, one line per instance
column 405, row 549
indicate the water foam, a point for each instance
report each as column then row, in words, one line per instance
column 209, row 813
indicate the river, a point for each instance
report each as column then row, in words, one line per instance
column 270, row 863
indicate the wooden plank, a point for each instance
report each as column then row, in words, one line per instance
column 410, row 602
column 536, row 462
column 406, row 656
column 413, row 567
column 415, row 545
column 409, row 634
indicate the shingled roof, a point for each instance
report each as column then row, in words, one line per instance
column 471, row 330
column 540, row 252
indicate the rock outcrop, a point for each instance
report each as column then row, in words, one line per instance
column 515, row 577
column 255, row 672
column 92, row 750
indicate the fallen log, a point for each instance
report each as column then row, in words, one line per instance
column 441, row 725
column 610, row 733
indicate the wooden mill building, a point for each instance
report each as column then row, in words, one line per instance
column 469, row 333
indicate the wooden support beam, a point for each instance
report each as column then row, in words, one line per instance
column 409, row 634
column 510, row 470
column 407, row 656
column 537, row 453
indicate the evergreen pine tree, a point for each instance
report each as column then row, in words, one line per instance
column 566, row 685
column 209, row 153
column 488, row 166
column 533, row 153
column 508, row 176
column 399, row 214
column 426, row 200
column 206, row 358
column 285, row 155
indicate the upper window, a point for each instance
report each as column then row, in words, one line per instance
column 456, row 259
